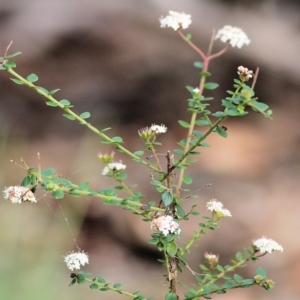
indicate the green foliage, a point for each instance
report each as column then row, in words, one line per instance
column 168, row 182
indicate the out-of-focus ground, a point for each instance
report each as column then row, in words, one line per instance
column 112, row 59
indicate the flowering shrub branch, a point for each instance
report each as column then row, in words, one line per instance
column 166, row 213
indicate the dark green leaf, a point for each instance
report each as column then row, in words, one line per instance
column 94, row 286
column 180, row 210
column 221, row 131
column 167, row 198
column 172, row 249
column 171, row 296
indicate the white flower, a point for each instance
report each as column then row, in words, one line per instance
column 233, row 35
column 113, row 166
column 196, row 90
column 175, row 20
column 166, row 225
column 266, row 245
column 75, row 259
column 18, row 194
column 158, row 128
column 217, row 208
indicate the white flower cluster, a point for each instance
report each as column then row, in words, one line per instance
column 158, row 128
column 217, row 207
column 18, row 194
column 266, row 245
column 75, row 259
column 176, row 20
column 233, row 35
column 166, row 225
column 113, row 166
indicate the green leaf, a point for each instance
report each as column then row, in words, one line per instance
column 239, row 256
column 48, row 172
column 202, row 122
column 210, row 85
column 198, row 64
column 94, row 286
column 218, row 114
column 26, row 181
column 171, row 296
column 195, row 213
column 13, row 54
column 54, row 91
column 70, row 117
column 85, row 115
column 9, row 65
column 220, row 130
column 139, row 153
column 101, row 280
column 187, row 180
column 65, row 102
column 178, row 152
column 261, row 272
column 32, row 78
column 153, row 241
column 117, row 285
column 172, row 249
column 17, row 81
column 180, row 210
column 184, row 124
column 166, row 198
column 228, row 284
column 198, row 134
column 220, row 268
column 182, row 258
column 74, row 280
column 50, row 103
column 238, row 278
column 205, row 74
column 258, row 105
column 204, row 145
column 247, row 282
column 58, row 194
column 42, row 90
column 117, row 139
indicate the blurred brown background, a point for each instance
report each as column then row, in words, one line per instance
column 112, row 59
